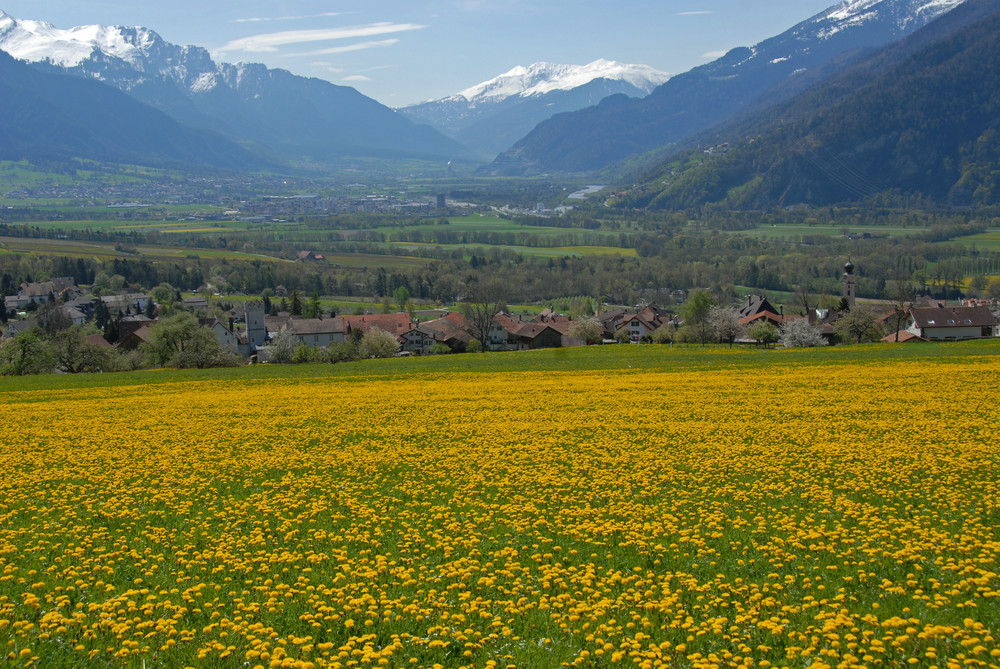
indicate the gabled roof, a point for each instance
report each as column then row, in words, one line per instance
column 904, row 336
column 534, row 330
column 763, row 316
column 15, row 328
column 453, row 327
column 952, row 317
column 44, row 288
column 98, row 341
column 926, row 301
column 140, row 335
column 648, row 323
column 395, row 324
column 755, row 304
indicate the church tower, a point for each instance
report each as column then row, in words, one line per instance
column 256, row 330
column 850, row 290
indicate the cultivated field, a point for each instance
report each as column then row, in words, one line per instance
column 614, row 506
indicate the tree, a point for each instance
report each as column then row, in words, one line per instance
column 804, row 299
column 313, row 307
column 27, row 353
column 859, row 325
column 377, row 343
column 695, row 312
column 203, row 350
column 799, row 333
column 282, row 347
column 763, row 333
column 52, row 318
column 179, row 341
column 623, row 335
column 102, row 315
column 402, row 296
column 341, row 352
column 296, row 303
column 664, row 334
column 901, row 292
column 163, row 293
column 726, row 322
column 993, row 288
column 74, row 354
column 304, row 353
column 589, row 330
column 487, row 298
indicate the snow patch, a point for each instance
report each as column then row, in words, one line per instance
column 205, row 82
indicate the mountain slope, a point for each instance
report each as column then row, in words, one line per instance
column 595, row 137
column 57, row 117
column 248, row 102
column 918, row 120
column 491, row 116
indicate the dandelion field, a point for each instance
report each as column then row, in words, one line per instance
column 767, row 509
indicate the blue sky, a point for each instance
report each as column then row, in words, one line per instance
column 405, row 51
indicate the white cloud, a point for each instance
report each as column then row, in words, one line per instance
column 694, row 13
column 285, row 18
column 356, row 77
column 326, row 67
column 714, row 54
column 360, row 46
column 269, row 42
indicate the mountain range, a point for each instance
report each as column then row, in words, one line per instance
column 248, row 103
column 917, row 121
column 48, row 117
column 871, row 99
column 744, row 79
column 489, row 117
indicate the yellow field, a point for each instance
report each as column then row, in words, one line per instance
column 810, row 515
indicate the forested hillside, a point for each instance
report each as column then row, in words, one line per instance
column 901, row 126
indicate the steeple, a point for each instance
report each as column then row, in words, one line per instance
column 850, row 290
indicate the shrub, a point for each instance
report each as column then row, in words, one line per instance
column 800, row 334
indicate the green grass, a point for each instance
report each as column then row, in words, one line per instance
column 987, row 241
column 793, row 232
column 627, row 358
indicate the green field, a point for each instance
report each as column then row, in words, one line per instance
column 682, row 357
column 792, row 232
column 104, row 250
column 988, row 241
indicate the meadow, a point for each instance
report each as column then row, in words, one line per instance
column 599, row 507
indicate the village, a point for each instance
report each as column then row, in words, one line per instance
column 258, row 332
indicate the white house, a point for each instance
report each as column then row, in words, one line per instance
column 318, row 332
column 952, row 323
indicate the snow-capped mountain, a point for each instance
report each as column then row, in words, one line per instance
column 246, row 101
column 850, row 13
column 490, row 116
column 745, row 77
column 542, row 78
